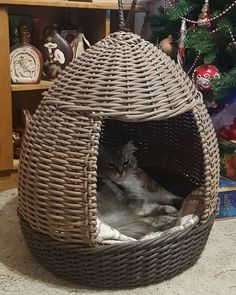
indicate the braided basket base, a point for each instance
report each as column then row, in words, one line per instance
column 118, row 266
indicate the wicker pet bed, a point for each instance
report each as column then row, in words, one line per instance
column 121, row 88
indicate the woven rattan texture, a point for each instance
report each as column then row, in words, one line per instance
column 127, row 78
column 57, row 175
column 127, row 265
column 122, row 78
column 210, row 159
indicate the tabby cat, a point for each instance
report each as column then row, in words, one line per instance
column 128, row 199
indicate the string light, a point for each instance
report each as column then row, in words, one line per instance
column 232, row 37
column 194, row 63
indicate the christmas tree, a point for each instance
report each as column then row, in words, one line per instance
column 201, row 36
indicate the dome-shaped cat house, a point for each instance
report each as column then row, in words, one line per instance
column 122, row 88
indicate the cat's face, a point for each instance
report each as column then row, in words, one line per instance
column 116, row 163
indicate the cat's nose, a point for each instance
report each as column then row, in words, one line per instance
column 120, row 171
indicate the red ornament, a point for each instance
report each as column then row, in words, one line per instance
column 202, row 75
column 223, row 133
column 232, row 133
column 228, row 132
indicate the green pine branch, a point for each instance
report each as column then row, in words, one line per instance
column 201, row 41
column 224, row 25
column 181, row 9
column 222, row 86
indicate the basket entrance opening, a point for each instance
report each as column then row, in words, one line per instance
column 169, row 150
column 144, row 164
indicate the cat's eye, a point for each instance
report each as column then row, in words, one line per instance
column 111, row 165
column 126, row 163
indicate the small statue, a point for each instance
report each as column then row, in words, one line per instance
column 77, row 45
column 57, row 53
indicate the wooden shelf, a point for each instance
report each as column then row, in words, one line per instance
column 66, row 4
column 23, row 87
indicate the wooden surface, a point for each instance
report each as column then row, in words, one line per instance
column 62, row 3
column 6, row 148
column 8, row 180
column 23, row 87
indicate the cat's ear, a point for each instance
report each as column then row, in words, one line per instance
column 130, row 146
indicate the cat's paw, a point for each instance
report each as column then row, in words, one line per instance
column 192, row 205
column 170, row 209
column 146, row 209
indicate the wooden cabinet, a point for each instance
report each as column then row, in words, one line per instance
column 97, row 19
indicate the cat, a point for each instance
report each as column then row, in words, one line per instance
column 128, row 199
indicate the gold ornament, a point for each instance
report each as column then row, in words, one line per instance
column 204, row 18
column 166, row 45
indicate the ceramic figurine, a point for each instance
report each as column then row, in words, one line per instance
column 25, row 59
column 78, row 45
column 57, row 53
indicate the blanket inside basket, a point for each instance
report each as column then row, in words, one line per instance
column 108, row 235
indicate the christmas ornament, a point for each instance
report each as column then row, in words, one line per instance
column 204, row 18
column 166, row 45
column 202, row 76
column 228, row 132
column 181, row 50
